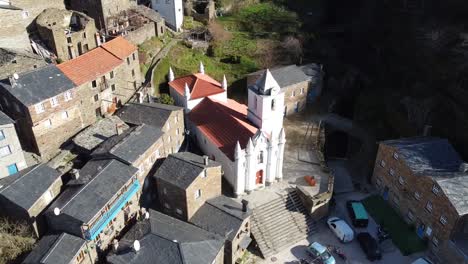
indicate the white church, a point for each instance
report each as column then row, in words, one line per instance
column 248, row 140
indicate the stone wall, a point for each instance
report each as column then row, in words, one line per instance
column 402, row 195
column 295, row 96
column 15, row 22
column 142, row 33
column 16, row 156
column 232, row 250
column 69, row 46
column 210, row 187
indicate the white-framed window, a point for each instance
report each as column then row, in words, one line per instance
column 39, row 108
column 391, row 172
column 401, row 180
column 111, row 74
column 205, row 174
column 54, row 101
column 24, row 14
column 64, row 115
column 67, row 96
column 428, row 231
column 379, row 182
column 443, row 220
column 2, row 135
column 177, row 131
column 169, row 138
column 410, row 215
column 417, row 196
column 260, row 157
column 293, row 93
column 395, row 155
column 178, row 211
column 176, row 119
column 48, row 123
column 435, row 189
column 435, row 241
column 429, row 206
column 382, row 163
column 197, row 194
column 5, row 151
column 168, row 126
column 302, row 90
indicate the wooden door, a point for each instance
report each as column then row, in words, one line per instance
column 259, row 177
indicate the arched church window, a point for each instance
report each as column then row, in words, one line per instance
column 260, row 157
column 273, row 105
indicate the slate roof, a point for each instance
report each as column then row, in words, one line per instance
column 181, row 169
column 200, row 85
column 148, row 12
column 119, row 47
column 99, row 181
column 53, row 249
column 89, row 66
column 5, row 120
column 25, row 187
column 222, row 216
column 223, row 123
column 99, row 132
column 436, row 158
column 38, row 85
column 287, row 75
column 131, row 144
column 152, row 114
column 164, row 239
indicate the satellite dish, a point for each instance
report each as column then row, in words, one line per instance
column 136, row 245
column 147, row 215
column 15, row 76
column 56, row 211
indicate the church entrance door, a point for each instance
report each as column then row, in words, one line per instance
column 259, row 177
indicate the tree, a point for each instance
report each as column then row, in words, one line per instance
column 293, row 46
column 166, row 99
column 15, row 239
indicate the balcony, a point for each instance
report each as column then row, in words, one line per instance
column 97, row 228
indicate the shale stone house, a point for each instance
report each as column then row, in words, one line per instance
column 11, row 154
column 425, row 180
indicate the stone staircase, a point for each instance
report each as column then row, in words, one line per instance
column 281, row 223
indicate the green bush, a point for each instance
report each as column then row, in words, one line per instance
column 166, row 99
column 265, row 18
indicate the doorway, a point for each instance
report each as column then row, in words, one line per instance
column 259, row 177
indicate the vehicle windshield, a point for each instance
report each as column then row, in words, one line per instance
column 325, row 255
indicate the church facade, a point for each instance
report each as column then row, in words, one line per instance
column 247, row 140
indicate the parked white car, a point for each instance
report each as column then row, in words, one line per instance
column 341, row 229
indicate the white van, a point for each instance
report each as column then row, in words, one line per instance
column 341, row 229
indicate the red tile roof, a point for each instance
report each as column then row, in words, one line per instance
column 120, row 47
column 89, row 66
column 223, row 124
column 201, row 85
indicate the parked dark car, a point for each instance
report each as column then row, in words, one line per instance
column 370, row 246
column 357, row 213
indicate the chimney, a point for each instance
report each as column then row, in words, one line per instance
column 75, row 174
column 427, row 130
column 205, row 160
column 245, row 205
column 464, row 167
column 115, row 245
column 98, row 39
column 13, row 79
column 118, row 129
